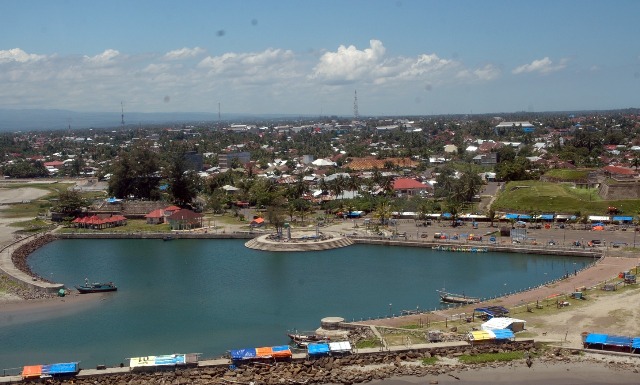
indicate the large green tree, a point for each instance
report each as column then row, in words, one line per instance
column 69, row 202
column 136, row 175
column 183, row 182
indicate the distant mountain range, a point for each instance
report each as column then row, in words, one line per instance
column 12, row 120
column 38, row 119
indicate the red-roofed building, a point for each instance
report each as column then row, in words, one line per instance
column 408, row 186
column 54, row 164
column 155, row 217
column 170, row 210
column 616, row 170
column 185, row 219
column 98, row 223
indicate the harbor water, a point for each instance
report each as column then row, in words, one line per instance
column 210, row 296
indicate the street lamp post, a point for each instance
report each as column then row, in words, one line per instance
column 390, row 314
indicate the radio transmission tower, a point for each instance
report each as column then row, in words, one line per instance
column 356, row 114
column 122, row 115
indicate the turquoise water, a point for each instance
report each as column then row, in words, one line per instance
column 209, row 296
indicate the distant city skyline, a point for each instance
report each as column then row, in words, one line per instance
column 292, row 57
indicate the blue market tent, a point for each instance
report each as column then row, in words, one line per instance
column 243, row 354
column 511, row 216
column 60, row 369
column 524, row 216
column 595, row 338
column 612, row 342
column 492, row 311
column 621, row 341
column 503, row 334
column 446, row 215
column 546, row 217
column 170, row 360
column 622, row 219
column 318, row 349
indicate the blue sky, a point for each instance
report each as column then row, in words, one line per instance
column 308, row 57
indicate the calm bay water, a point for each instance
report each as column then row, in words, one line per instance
column 209, row 296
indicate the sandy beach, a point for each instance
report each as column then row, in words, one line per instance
column 17, row 310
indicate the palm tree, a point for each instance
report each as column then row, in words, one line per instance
column 383, row 212
column 452, row 207
column 492, row 215
column 387, row 186
column 336, row 186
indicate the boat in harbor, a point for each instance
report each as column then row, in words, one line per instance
column 303, row 340
column 95, row 287
column 456, row 298
column 463, row 249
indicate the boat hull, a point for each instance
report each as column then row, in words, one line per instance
column 455, row 298
column 96, row 288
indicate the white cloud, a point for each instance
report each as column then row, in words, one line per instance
column 487, row 73
column 18, row 55
column 371, row 65
column 272, row 80
column 103, row 58
column 349, row 64
column 183, row 53
column 268, row 65
column 543, row 66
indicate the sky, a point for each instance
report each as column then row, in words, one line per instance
column 402, row 57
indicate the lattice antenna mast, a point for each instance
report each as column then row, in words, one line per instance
column 122, row 114
column 356, row 114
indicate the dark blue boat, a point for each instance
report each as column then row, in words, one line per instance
column 96, row 287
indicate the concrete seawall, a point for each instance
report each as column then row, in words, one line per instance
column 178, row 235
column 529, row 249
column 11, row 271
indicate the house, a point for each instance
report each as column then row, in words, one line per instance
column 257, row 222
column 155, row 217
column 371, row 163
column 185, row 219
column 408, row 186
column 450, row 148
column 490, row 159
column 524, row 126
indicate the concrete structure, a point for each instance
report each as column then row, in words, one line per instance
column 299, row 241
column 13, row 273
column 225, row 159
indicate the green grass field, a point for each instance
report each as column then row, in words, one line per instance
column 548, row 197
column 567, row 175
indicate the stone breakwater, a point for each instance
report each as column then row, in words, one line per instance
column 19, row 257
column 350, row 369
column 19, row 260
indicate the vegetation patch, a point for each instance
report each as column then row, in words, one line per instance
column 483, row 358
column 33, row 225
column 368, row 343
column 429, row 360
column 549, row 197
column 567, row 175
